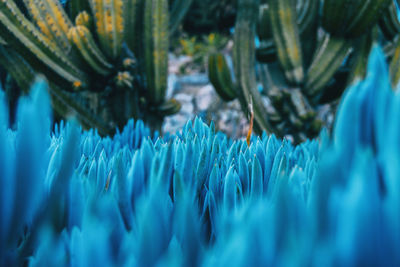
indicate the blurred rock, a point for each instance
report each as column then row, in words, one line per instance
column 205, row 97
column 198, row 98
column 194, row 79
column 183, row 97
column 187, row 108
column 186, row 101
column 175, row 123
column 176, row 62
column 173, row 85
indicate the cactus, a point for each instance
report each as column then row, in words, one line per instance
column 106, row 61
column 301, row 58
column 156, row 49
column 283, row 18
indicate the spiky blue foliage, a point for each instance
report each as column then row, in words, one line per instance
column 72, row 198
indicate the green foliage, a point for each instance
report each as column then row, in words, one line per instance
column 106, row 61
column 307, row 52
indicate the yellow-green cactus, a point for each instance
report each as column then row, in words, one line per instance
column 83, row 40
column 83, row 56
column 83, row 19
column 52, row 20
column 109, row 25
column 156, row 48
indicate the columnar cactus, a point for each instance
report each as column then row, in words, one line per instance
column 301, row 57
column 106, row 61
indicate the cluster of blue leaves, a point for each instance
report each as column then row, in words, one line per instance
column 72, row 198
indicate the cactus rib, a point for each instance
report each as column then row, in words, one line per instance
column 395, row 66
column 77, row 6
column 156, row 48
column 389, row 22
column 359, row 61
column 132, row 14
column 366, row 15
column 52, row 21
column 307, row 14
column 83, row 19
column 326, row 61
column 287, row 39
column 13, row 14
column 57, row 19
column 85, row 44
column 33, row 46
column 169, row 107
column 109, row 24
column 17, row 67
column 266, row 52
column 263, row 28
column 220, row 76
column 244, row 59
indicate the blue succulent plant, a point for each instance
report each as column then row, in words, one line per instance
column 72, row 198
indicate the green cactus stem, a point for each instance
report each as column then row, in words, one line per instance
column 244, row 60
column 83, row 40
column 109, row 23
column 389, row 22
column 286, row 34
column 156, row 48
column 327, row 59
column 395, row 66
column 220, row 76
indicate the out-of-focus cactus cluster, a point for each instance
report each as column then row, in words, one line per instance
column 293, row 56
column 106, row 61
column 72, row 198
